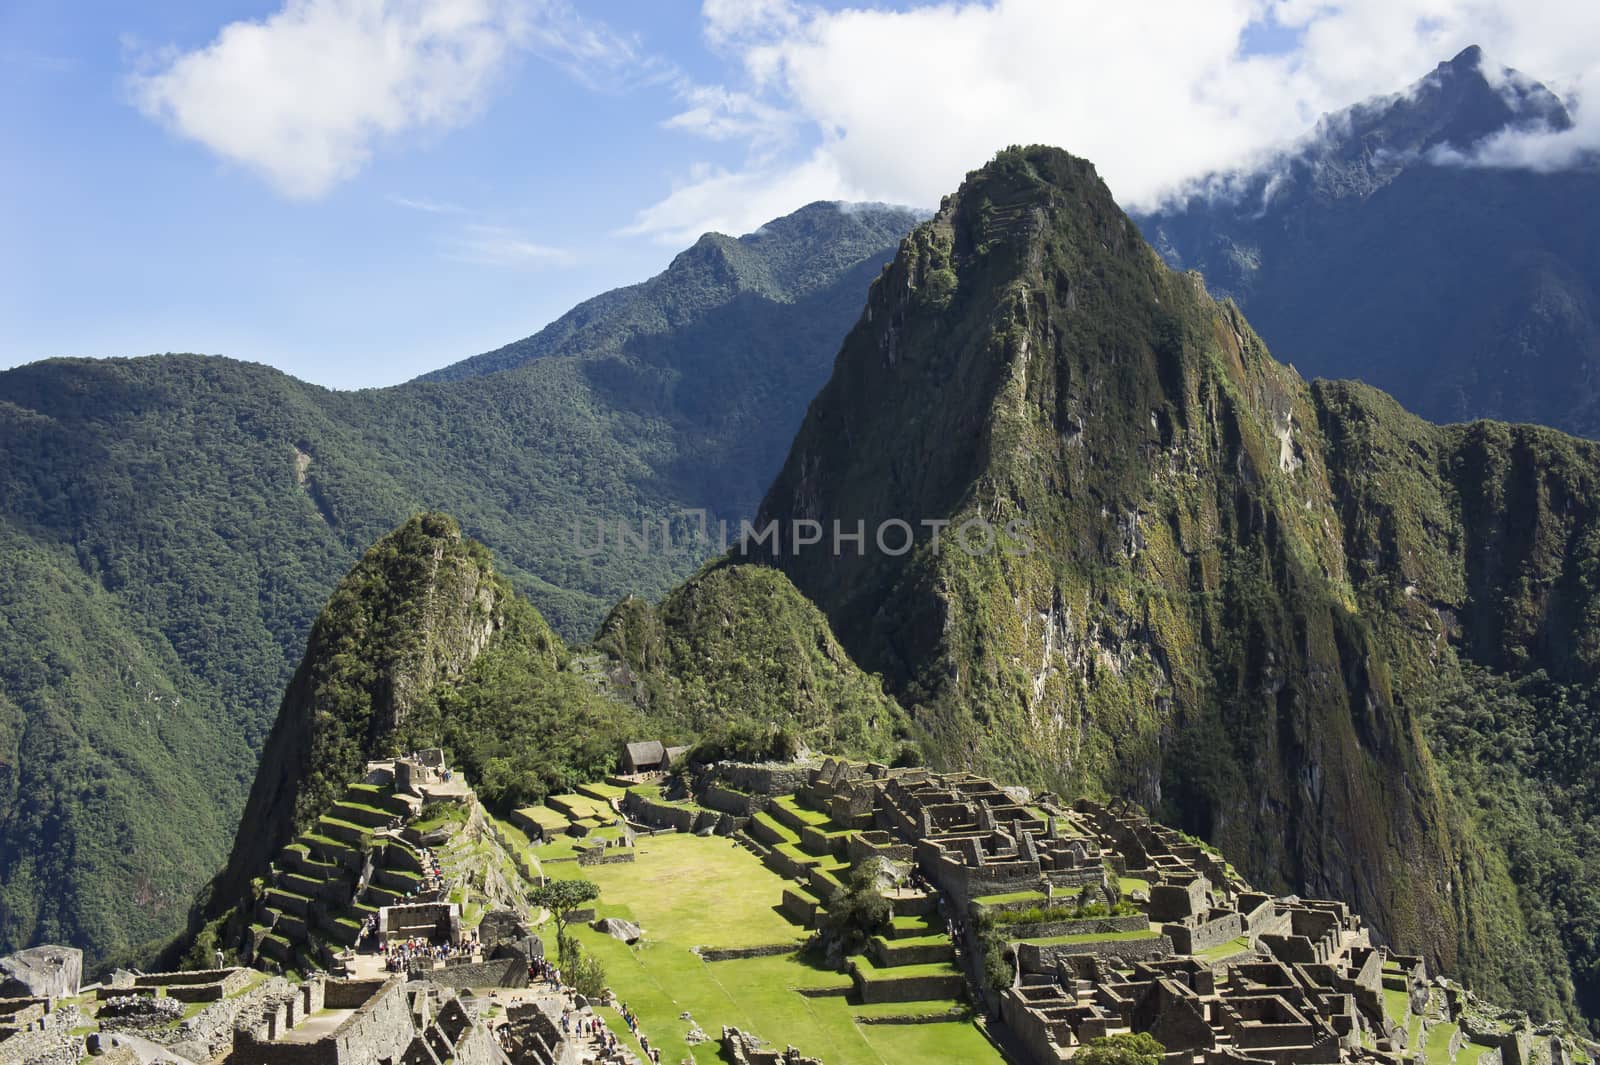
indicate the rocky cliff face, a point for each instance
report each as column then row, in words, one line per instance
column 414, row 613
column 1377, row 248
column 1211, row 586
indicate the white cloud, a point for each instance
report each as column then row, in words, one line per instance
column 730, row 22
column 898, row 105
column 304, row 95
column 717, row 113
column 737, row 202
column 491, row 245
column 427, row 206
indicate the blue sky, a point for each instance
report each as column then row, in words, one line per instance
column 361, row 213
column 125, row 239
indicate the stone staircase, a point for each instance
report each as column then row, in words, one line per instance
column 913, row 962
column 331, row 878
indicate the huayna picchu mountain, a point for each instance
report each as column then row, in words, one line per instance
column 171, row 525
column 1384, row 247
column 1301, row 623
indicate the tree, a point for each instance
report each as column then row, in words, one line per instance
column 561, row 897
column 587, row 976
column 1128, row 1048
column 858, row 911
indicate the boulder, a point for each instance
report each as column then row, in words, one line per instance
column 41, row 972
column 617, row 928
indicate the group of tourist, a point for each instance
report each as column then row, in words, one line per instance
column 592, row 1028
column 633, row 1030
column 540, row 969
column 432, row 871
column 401, row 956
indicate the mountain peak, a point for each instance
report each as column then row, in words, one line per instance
column 421, row 604
column 1469, row 58
column 1457, row 105
column 788, row 259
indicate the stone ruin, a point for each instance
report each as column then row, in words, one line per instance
column 531, row 1035
column 742, row 1048
column 363, row 1022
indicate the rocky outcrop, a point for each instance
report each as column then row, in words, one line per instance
column 41, row 972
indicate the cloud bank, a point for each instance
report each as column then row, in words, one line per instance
column 897, row 105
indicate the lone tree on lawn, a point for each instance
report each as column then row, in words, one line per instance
column 561, row 897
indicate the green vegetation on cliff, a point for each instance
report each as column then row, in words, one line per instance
column 1238, row 592
column 738, row 645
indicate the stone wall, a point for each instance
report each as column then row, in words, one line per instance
column 802, row 908
column 500, row 972
column 1515, row 1046
column 910, row 988
column 725, row 799
column 1193, row 939
column 767, row 778
column 767, row 950
column 605, row 855
column 42, row 1048
column 209, row 1033
column 380, row 1028
column 1042, row 1040
column 1043, row 957
column 742, row 1048
column 1135, row 922
column 659, row 814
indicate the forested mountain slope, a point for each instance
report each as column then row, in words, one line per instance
column 171, row 525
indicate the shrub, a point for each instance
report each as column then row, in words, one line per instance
column 1128, row 1048
column 583, row 971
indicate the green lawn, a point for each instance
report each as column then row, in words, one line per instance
column 1437, row 1043
column 1397, row 1005
column 1015, row 896
column 546, row 818
column 686, row 891
column 870, row 970
column 1226, row 950
column 816, row 818
column 1092, row 937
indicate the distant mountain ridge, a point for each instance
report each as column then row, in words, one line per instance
column 786, row 261
column 1376, row 249
column 171, row 525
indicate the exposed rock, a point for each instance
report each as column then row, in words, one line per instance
column 41, row 972
column 617, row 928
